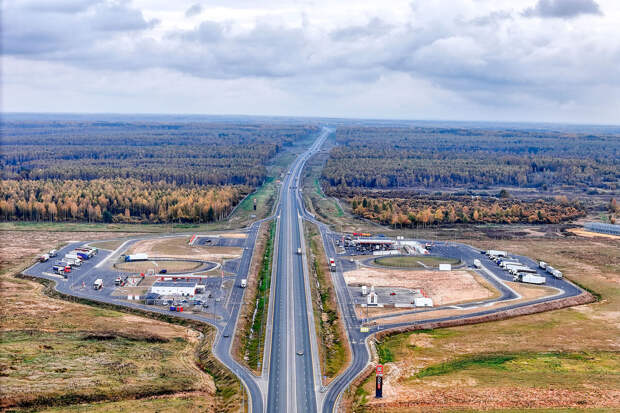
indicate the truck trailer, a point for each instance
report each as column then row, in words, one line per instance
column 529, row 278
column 136, row 257
column 497, row 253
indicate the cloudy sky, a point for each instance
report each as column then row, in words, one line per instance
column 520, row 60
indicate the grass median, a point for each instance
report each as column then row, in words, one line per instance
column 250, row 338
column 333, row 348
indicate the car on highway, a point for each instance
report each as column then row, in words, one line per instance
column 300, row 352
column 392, row 293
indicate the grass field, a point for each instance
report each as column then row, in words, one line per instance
column 415, row 262
column 564, row 360
column 189, row 402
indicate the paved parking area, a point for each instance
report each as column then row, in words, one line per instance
column 219, row 241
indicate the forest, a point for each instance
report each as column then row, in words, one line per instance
column 433, row 210
column 395, row 175
column 104, row 171
column 416, row 157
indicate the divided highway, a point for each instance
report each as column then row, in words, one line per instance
column 293, row 360
column 291, row 376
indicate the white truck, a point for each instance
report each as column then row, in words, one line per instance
column 72, row 256
column 44, row 257
column 52, row 253
column 98, row 285
column 364, row 290
column 514, row 269
column 477, row 263
column 557, row 274
column 332, row 264
column 299, row 251
column 497, row 253
column 505, row 263
column 244, row 283
column 529, row 278
column 542, row 265
column 550, row 269
column 136, row 257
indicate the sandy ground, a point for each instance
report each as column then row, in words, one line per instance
column 588, row 234
column 444, row 287
column 178, row 247
column 528, row 292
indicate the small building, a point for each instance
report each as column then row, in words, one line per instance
column 423, row 302
column 184, row 288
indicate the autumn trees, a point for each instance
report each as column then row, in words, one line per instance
column 415, row 157
column 437, row 210
column 391, row 174
column 112, row 171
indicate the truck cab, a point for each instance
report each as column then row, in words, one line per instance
column 244, row 283
column 98, row 285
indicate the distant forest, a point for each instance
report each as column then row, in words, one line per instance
column 391, row 175
column 134, row 171
column 384, row 157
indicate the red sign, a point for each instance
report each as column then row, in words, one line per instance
column 379, row 369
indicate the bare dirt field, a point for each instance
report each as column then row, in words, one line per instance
column 178, row 247
column 527, row 292
column 588, row 234
column 19, row 245
column 444, row 287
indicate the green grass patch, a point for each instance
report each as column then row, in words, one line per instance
column 538, row 369
column 415, row 261
column 479, row 361
column 254, row 343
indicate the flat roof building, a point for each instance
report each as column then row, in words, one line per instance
column 184, row 288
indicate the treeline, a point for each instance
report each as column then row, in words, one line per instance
column 427, row 210
column 175, row 153
column 415, row 157
column 116, row 200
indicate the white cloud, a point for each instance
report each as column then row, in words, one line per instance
column 482, row 59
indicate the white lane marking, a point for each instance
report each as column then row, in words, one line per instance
column 112, row 254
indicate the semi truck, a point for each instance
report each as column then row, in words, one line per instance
column 557, row 274
column 529, row 278
column 506, row 263
column 98, row 285
column 332, row 264
column 477, row 263
column 497, row 253
column 542, row 265
column 52, row 253
column 244, row 283
column 136, row 257
column 44, row 258
column 521, row 269
column 299, row 251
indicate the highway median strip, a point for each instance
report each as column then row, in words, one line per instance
column 250, row 335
